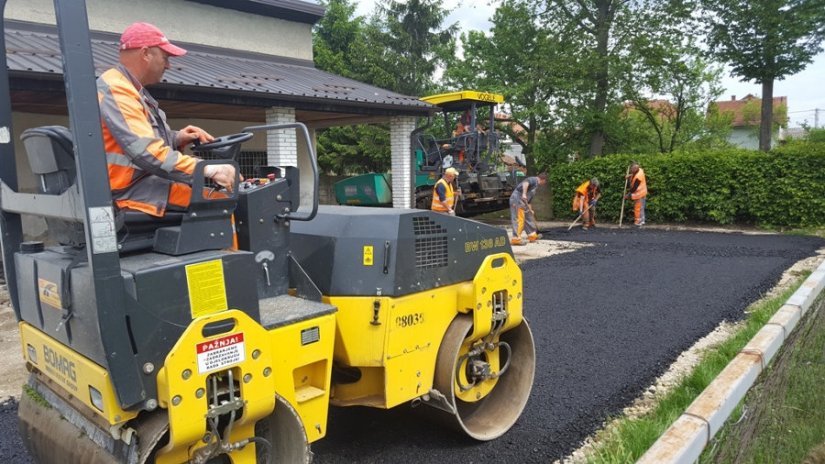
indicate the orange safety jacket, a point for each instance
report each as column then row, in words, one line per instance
column 143, row 161
column 583, row 195
column 449, row 196
column 638, row 185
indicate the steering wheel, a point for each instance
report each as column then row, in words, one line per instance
column 223, row 141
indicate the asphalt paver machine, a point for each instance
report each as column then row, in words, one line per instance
column 471, row 146
column 157, row 340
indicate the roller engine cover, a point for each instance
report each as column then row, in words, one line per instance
column 349, row 251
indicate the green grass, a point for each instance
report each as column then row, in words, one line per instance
column 625, row 440
column 35, row 395
column 817, row 231
column 782, row 418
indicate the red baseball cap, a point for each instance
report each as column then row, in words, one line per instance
column 146, row 35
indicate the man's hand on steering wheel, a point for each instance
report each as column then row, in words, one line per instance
column 191, row 134
column 224, row 141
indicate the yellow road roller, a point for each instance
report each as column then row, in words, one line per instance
column 187, row 339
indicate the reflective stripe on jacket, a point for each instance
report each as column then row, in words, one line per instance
column 448, row 196
column 638, row 185
column 140, row 146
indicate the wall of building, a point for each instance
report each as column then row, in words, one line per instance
column 748, row 137
column 185, row 21
column 326, row 189
column 744, row 137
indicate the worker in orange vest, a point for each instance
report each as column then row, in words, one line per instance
column 444, row 196
column 637, row 193
column 585, row 200
column 147, row 171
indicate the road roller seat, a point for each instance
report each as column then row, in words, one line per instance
column 50, row 153
column 49, row 150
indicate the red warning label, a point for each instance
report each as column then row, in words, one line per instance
column 220, row 353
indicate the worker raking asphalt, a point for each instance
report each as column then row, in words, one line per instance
column 607, row 320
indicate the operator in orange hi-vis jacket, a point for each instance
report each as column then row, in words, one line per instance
column 147, row 171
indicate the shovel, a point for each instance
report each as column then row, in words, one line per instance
column 579, row 217
column 624, row 192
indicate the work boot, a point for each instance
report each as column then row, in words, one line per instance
column 533, row 237
column 516, row 241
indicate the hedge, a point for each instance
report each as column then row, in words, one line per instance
column 785, row 187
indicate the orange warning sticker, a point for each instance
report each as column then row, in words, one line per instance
column 49, row 293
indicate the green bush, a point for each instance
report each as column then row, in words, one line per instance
column 816, row 135
column 785, row 187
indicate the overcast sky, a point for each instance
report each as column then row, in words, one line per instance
column 805, row 90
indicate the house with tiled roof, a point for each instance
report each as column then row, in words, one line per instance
column 250, row 62
column 747, row 116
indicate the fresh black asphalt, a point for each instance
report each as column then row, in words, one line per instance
column 607, row 320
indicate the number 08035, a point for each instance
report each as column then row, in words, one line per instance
column 409, row 320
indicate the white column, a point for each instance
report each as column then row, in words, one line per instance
column 281, row 146
column 402, row 172
column 305, row 166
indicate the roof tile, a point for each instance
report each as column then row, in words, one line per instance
column 32, row 48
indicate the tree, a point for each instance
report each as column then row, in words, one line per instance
column 335, row 37
column 398, row 49
column 527, row 64
column 354, row 149
column 615, row 34
column 815, row 135
column 687, row 83
column 764, row 41
column 716, row 129
column 752, row 116
column 339, row 42
column 410, row 42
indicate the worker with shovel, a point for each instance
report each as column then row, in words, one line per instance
column 585, row 200
column 521, row 213
column 637, row 192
